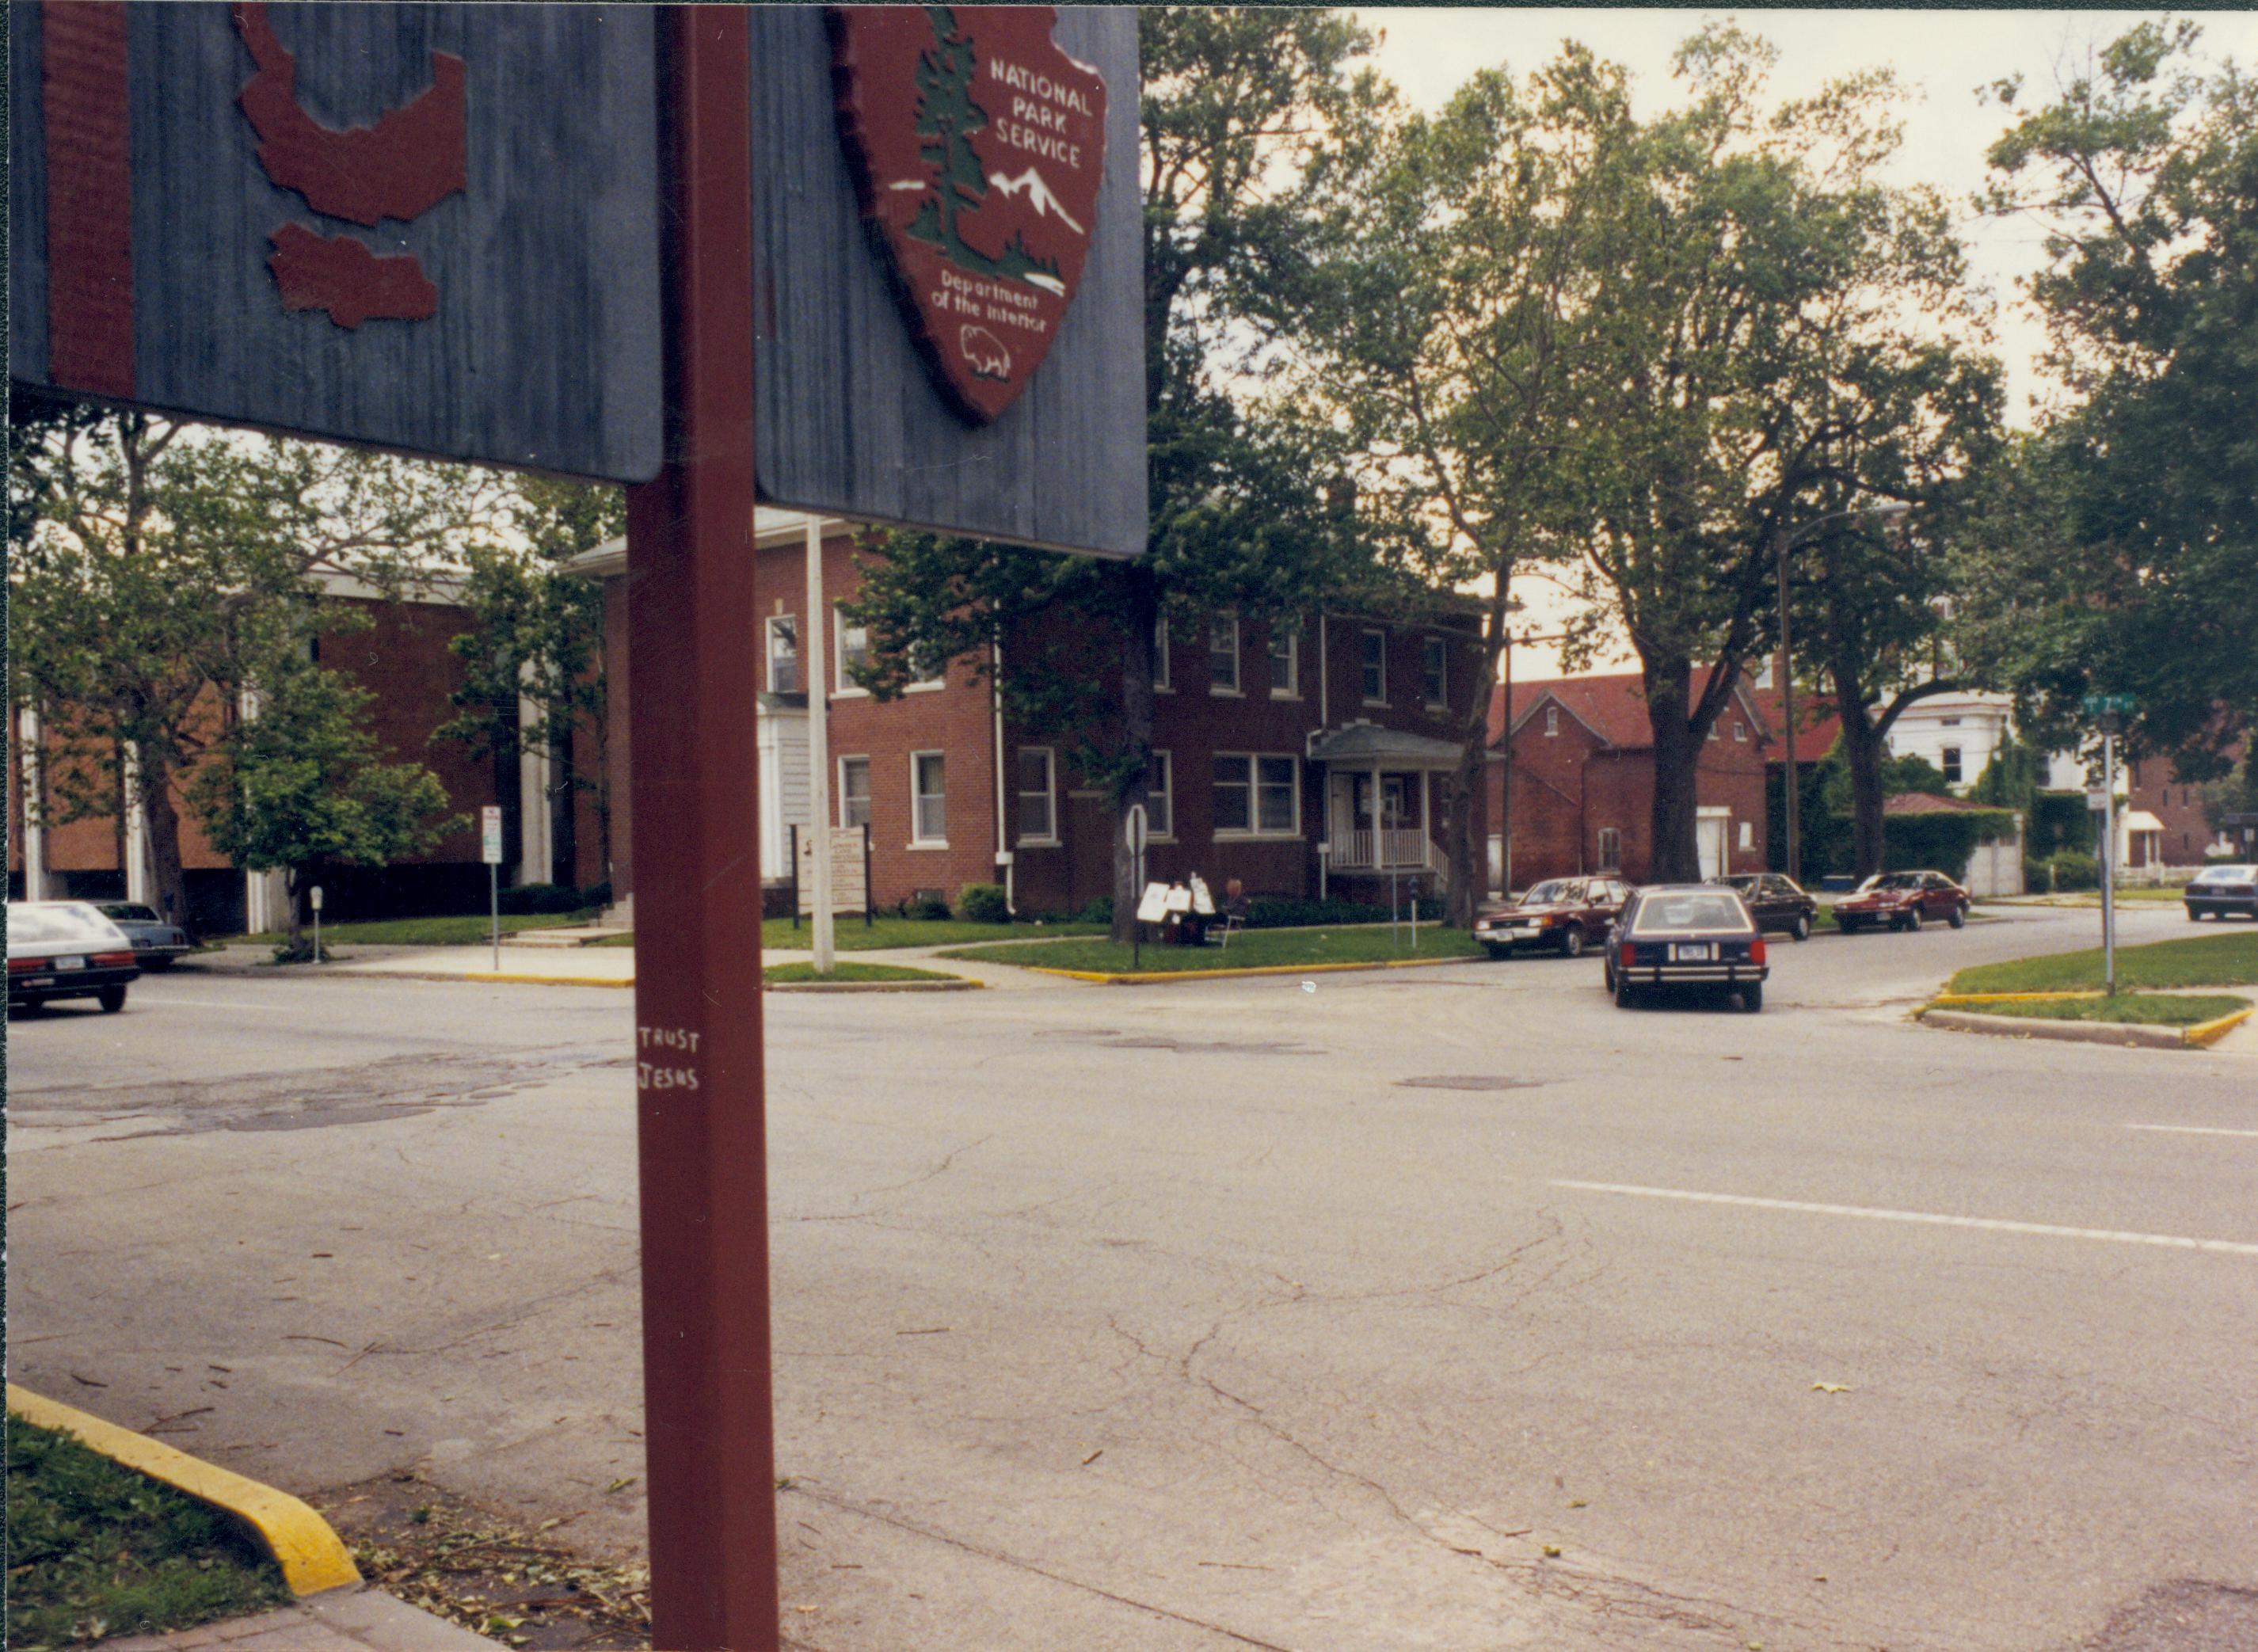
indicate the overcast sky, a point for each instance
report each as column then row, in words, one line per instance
column 1944, row 56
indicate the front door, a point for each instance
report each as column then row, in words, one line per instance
column 1709, row 840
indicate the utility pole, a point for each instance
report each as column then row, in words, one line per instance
column 1791, row 788
column 819, row 745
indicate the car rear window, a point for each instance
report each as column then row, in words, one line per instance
column 2226, row 874
column 57, row 922
column 128, row 912
column 1693, row 910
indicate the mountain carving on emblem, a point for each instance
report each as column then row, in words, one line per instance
column 977, row 146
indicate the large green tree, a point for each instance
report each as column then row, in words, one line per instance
column 164, row 569
column 1246, row 506
column 1768, row 346
column 537, row 641
column 301, row 786
column 2143, row 174
column 1441, row 314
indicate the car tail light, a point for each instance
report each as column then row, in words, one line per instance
column 113, row 961
column 24, row 966
column 1756, row 950
column 1628, row 956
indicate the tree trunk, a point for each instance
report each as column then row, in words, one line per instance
column 1863, row 747
column 1674, row 856
column 1140, row 614
column 1463, row 791
column 564, row 801
column 164, row 823
column 294, row 916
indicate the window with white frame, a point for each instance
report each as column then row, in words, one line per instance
column 851, row 647
column 921, row 677
column 1037, row 794
column 1160, row 797
column 1162, row 643
column 928, row 798
column 1223, row 654
column 1763, row 672
column 854, row 792
column 1435, row 663
column 1373, row 647
column 1951, row 765
column 784, row 654
column 1285, row 663
column 1257, row 794
column 1552, row 722
column 1610, row 849
column 1740, row 731
column 1748, row 834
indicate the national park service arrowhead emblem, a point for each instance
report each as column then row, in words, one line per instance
column 977, row 146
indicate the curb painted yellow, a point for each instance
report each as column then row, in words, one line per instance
column 2204, row 1034
column 310, row 1553
column 957, row 983
column 1155, row 977
column 1953, row 1000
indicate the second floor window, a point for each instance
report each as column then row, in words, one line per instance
column 1374, row 658
column 1552, row 722
column 1951, row 765
column 1255, row 793
column 1610, row 849
column 784, row 654
column 1435, row 658
column 1285, row 661
column 852, row 651
column 1223, row 654
column 1038, row 805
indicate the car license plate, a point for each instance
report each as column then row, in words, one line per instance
column 1693, row 952
column 70, row 963
column 1527, row 932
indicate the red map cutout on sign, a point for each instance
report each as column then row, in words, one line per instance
column 415, row 157
column 978, row 147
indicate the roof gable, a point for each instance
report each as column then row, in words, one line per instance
column 1612, row 706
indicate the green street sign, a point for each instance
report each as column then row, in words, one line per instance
column 2105, row 704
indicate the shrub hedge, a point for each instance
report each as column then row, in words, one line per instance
column 984, row 903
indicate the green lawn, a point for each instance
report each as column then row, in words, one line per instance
column 459, row 929
column 850, row 935
column 2218, row 959
column 2144, row 1008
column 96, row 1550
column 1250, row 948
column 853, row 972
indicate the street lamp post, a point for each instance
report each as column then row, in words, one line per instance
column 1791, row 788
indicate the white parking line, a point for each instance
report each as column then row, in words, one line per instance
column 2232, row 1247
column 2193, row 1129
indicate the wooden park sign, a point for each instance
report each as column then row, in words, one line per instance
column 977, row 147
column 950, row 292
column 345, row 221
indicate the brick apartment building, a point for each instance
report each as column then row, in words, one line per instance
column 1275, row 748
column 1583, row 780
column 402, row 656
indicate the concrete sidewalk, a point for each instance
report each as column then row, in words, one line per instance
column 359, row 1619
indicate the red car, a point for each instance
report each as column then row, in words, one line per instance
column 1903, row 900
column 1563, row 913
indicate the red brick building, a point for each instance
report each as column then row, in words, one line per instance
column 1583, row 780
column 2166, row 821
column 1297, row 759
column 401, row 656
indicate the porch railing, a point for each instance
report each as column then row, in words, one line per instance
column 1405, row 849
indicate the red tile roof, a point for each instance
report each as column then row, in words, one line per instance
column 1817, row 727
column 1613, row 705
column 1922, row 802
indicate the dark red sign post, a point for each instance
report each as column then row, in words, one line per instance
column 700, row 1108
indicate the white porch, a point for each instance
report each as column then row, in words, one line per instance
column 1380, row 799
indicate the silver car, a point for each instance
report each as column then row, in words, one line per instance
column 156, row 942
column 66, row 949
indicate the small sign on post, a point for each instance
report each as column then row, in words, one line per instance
column 490, row 852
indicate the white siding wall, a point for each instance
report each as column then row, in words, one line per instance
column 784, row 788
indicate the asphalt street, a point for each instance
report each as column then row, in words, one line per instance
column 1447, row 1307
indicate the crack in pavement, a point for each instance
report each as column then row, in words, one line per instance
column 848, row 1506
